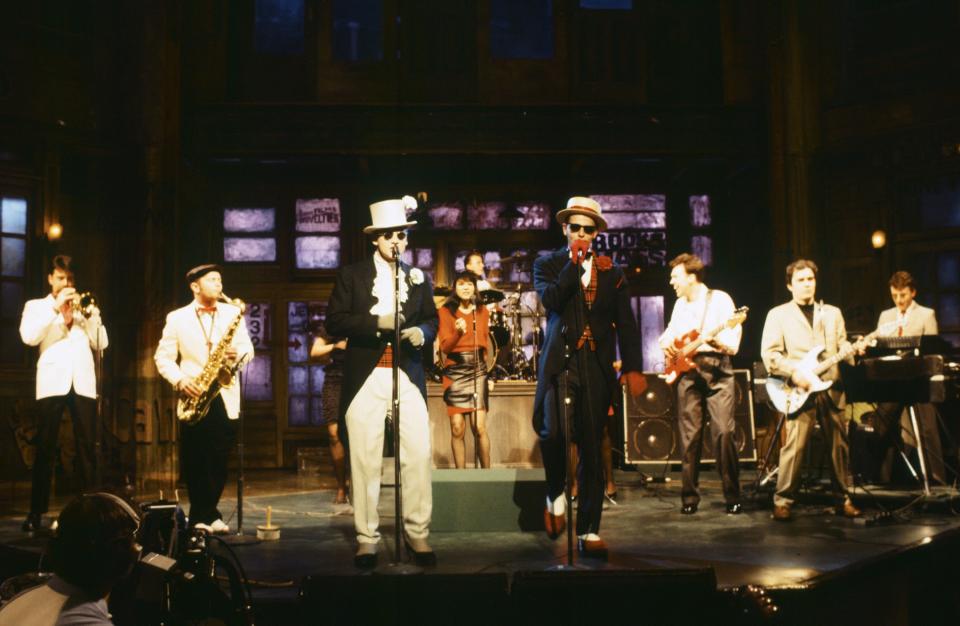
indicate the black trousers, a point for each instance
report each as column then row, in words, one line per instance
column 83, row 412
column 588, row 412
column 204, row 450
column 888, row 429
column 710, row 386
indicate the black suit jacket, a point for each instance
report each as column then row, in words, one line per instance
column 348, row 315
column 611, row 318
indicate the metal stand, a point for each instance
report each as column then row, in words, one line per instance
column 238, row 538
column 771, row 473
column 397, row 566
column 921, row 453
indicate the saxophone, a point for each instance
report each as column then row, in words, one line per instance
column 216, row 374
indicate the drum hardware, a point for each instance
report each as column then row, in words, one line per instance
column 491, row 296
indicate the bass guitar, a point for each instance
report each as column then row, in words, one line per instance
column 688, row 344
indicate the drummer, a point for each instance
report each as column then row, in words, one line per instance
column 473, row 262
column 463, row 334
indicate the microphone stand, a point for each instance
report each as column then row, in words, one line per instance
column 238, row 538
column 98, row 426
column 397, row 567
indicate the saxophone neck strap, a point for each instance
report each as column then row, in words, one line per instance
column 207, row 334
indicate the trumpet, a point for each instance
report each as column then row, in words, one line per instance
column 84, row 303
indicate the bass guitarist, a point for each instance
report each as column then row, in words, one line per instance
column 710, row 384
column 791, row 331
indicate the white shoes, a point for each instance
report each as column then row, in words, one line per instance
column 216, row 527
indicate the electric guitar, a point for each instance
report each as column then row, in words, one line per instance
column 788, row 398
column 688, row 344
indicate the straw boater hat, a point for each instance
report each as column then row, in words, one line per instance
column 579, row 205
column 390, row 215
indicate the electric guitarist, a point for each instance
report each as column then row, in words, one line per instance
column 709, row 383
column 793, row 331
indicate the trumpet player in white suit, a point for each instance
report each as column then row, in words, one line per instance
column 190, row 335
column 67, row 333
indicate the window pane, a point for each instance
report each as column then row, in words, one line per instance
column 298, row 380
column 634, row 248
column 14, row 216
column 316, row 379
column 949, row 313
column 257, row 318
column 11, row 299
column 940, row 207
column 702, row 246
column 298, row 347
column 317, row 252
column 297, row 414
column 651, row 327
column 448, row 216
column 949, row 270
column 249, row 220
column 13, row 254
column 521, row 29
column 620, row 5
column 700, row 211
column 357, row 30
column 258, row 379
column 486, row 215
column 247, row 249
column 423, row 258
column 279, row 27
column 533, row 216
column 317, row 215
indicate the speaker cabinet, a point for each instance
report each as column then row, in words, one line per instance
column 651, row 433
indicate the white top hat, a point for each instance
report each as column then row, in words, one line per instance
column 580, row 205
column 390, row 215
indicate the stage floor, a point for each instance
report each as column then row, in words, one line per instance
column 645, row 530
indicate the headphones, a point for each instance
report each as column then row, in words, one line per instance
column 84, row 552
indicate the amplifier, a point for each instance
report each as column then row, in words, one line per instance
column 651, row 435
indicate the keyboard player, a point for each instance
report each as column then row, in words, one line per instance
column 908, row 319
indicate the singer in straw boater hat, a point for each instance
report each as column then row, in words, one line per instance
column 605, row 316
column 361, row 309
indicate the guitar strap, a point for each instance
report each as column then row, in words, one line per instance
column 706, row 307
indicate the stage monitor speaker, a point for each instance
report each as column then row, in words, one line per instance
column 651, row 433
column 462, row 599
column 628, row 596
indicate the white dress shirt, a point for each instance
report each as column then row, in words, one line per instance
column 383, row 286
column 689, row 315
column 66, row 354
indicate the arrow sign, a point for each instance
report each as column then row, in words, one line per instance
column 295, row 344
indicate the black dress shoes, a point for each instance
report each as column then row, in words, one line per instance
column 734, row 508
column 34, row 522
column 688, row 509
column 366, row 556
column 423, row 555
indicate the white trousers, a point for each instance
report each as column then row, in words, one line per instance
column 365, row 430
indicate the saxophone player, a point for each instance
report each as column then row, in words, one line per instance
column 190, row 335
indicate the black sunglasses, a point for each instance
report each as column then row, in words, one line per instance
column 575, row 228
column 399, row 234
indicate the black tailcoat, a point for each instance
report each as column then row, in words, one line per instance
column 348, row 315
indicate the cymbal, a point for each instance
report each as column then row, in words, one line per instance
column 516, row 257
column 491, row 296
column 442, row 290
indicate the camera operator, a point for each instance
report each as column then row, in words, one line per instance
column 94, row 548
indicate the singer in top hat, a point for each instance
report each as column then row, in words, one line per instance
column 361, row 309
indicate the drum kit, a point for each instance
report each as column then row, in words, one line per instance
column 516, row 327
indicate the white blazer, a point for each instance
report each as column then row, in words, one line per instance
column 66, row 354
column 184, row 336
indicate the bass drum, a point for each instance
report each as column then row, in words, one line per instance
column 490, row 356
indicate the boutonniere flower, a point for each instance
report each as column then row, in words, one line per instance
column 604, row 263
column 416, row 276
